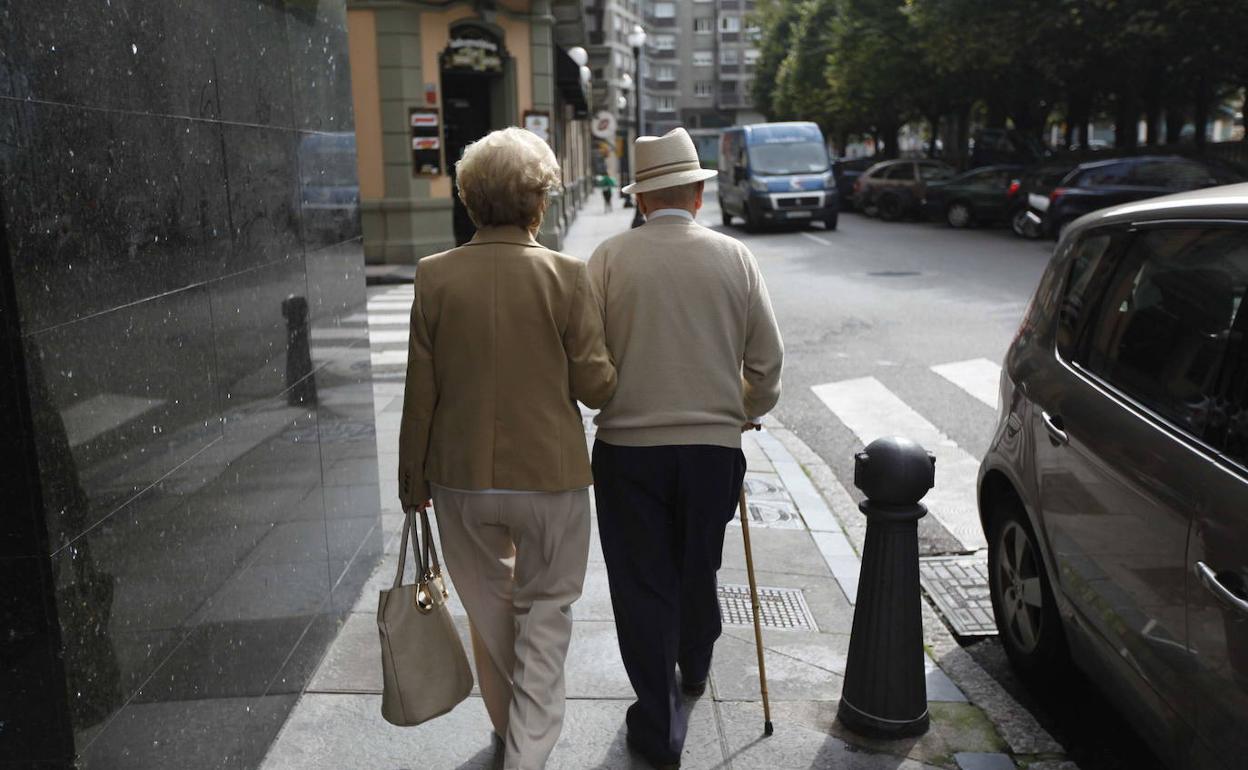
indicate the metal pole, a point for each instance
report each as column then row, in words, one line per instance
column 638, row 220
column 758, row 629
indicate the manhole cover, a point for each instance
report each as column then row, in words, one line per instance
column 759, row 487
column 771, row 514
column 777, row 607
column 958, row 585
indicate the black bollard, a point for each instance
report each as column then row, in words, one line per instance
column 301, row 386
column 885, row 690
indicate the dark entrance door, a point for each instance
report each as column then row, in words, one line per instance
column 466, row 113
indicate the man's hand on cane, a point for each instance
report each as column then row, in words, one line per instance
column 748, row 426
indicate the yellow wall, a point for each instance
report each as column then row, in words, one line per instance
column 362, row 48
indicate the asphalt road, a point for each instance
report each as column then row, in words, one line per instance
column 867, row 312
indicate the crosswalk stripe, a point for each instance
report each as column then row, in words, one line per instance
column 390, row 357
column 389, row 319
column 384, row 336
column 871, row 411
column 978, row 376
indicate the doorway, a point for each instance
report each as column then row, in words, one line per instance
column 467, row 115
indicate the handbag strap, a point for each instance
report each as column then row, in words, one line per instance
column 427, row 562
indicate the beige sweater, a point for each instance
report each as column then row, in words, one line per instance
column 690, row 328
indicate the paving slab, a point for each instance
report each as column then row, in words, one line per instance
column 594, row 668
column 979, row 760
column 801, row 665
column 775, row 550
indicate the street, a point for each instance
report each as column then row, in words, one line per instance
column 896, row 302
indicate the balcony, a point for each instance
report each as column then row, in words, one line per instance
column 730, row 37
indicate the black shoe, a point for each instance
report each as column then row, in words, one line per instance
column 644, row 752
column 693, row 689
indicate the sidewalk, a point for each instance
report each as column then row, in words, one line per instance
column 807, row 570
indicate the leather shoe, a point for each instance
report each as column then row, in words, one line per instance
column 644, row 752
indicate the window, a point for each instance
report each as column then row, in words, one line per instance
column 1160, row 328
column 665, row 72
column 729, row 23
column 704, row 25
column 934, row 171
column 1171, row 175
column 665, row 103
column 751, row 55
column 728, row 56
column 664, row 42
column 1104, row 176
column 703, row 58
column 664, row 10
column 703, row 88
column 901, row 172
column 1088, row 268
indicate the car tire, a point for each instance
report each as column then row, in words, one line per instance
column 829, row 223
column 1023, row 606
column 890, row 207
column 723, row 214
column 751, row 220
column 959, row 215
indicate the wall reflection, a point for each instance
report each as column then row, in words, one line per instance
column 183, row 286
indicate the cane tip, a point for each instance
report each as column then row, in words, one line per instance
column 767, row 728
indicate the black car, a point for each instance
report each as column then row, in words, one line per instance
column 1030, row 199
column 1103, row 183
column 846, row 171
column 980, row 196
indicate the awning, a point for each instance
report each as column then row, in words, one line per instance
column 568, row 81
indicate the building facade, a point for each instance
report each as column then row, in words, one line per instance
column 611, row 59
column 430, row 78
column 189, row 464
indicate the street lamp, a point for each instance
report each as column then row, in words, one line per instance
column 636, row 39
column 626, row 85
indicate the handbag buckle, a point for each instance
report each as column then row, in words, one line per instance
column 424, row 600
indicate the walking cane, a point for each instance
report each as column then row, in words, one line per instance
column 758, row 629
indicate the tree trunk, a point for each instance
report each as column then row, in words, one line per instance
column 1200, row 116
column 890, row 132
column 1126, row 122
column 933, row 123
column 1152, row 116
column 1078, row 105
column 1174, row 122
column 962, row 135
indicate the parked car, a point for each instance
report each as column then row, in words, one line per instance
column 776, row 172
column 1031, row 199
column 1103, row 183
column 847, row 171
column 1114, row 494
column 980, row 196
column 895, row 188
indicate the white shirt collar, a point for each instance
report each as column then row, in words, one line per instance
column 669, row 213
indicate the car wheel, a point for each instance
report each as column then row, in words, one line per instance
column 723, row 213
column 1022, row 599
column 890, row 208
column 958, row 214
column 751, row 220
column 829, row 223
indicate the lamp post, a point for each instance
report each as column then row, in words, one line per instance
column 626, row 84
column 637, row 39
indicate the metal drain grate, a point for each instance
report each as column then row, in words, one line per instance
column 958, row 586
column 778, row 607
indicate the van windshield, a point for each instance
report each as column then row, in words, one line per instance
column 788, row 158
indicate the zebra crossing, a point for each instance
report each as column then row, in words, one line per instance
column 870, row 410
column 389, row 319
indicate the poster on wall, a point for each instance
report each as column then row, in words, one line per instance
column 538, row 121
column 426, row 136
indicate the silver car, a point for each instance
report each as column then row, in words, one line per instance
column 1114, row 496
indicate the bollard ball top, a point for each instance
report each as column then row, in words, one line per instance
column 894, row 471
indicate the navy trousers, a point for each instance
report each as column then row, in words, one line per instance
column 662, row 512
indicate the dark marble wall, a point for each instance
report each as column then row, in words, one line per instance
column 189, row 469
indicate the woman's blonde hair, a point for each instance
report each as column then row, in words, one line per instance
column 505, row 176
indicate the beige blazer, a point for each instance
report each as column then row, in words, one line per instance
column 505, row 338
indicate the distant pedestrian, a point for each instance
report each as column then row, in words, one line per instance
column 505, row 337
column 607, row 183
column 690, row 327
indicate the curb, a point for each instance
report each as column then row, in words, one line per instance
column 1016, row 726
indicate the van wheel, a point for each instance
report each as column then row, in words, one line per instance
column 890, row 208
column 751, row 220
column 958, row 214
column 723, row 213
column 829, row 223
column 1022, row 598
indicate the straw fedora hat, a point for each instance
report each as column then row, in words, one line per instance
column 666, row 161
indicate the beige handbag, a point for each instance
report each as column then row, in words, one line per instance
column 423, row 663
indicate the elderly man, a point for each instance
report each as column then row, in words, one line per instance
column 690, row 328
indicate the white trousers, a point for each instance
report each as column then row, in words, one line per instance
column 518, row 562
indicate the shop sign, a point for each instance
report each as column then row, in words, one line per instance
column 473, row 51
column 604, row 125
column 426, row 138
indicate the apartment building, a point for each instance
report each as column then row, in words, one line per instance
column 699, row 68
column 607, row 25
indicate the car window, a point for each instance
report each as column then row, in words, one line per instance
column 1171, row 175
column 902, row 171
column 1162, row 324
column 932, row 172
column 1105, row 176
column 1090, row 264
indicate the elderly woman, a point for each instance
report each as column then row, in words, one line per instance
column 505, row 338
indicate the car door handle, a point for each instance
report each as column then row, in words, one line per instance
column 1209, row 579
column 1054, row 426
